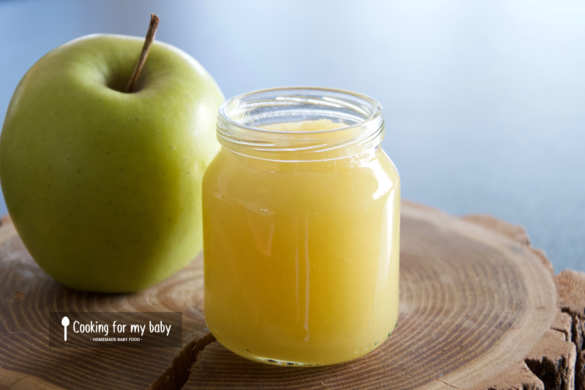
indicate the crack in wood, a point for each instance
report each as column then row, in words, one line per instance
column 553, row 374
column 578, row 338
column 447, row 384
column 175, row 377
column 556, row 373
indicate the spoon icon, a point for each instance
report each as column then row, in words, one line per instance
column 65, row 322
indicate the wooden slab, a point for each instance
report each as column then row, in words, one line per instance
column 476, row 301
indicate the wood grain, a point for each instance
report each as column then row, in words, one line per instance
column 476, row 301
column 28, row 296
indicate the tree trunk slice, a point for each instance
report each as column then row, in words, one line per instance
column 478, row 310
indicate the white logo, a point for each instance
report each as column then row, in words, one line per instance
column 65, row 323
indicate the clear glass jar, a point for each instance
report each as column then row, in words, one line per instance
column 301, row 227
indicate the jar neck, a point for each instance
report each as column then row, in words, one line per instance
column 300, row 124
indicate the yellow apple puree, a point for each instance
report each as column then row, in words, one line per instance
column 301, row 258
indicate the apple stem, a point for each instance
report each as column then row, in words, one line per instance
column 144, row 53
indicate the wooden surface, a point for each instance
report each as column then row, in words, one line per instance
column 478, row 310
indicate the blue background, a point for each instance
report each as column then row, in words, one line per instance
column 484, row 100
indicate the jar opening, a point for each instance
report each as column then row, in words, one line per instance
column 328, row 123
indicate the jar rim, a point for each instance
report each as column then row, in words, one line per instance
column 247, row 124
column 375, row 112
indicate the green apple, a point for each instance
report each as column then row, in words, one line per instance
column 104, row 186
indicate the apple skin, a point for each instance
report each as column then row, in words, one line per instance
column 104, row 187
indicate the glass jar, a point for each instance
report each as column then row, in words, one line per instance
column 301, row 227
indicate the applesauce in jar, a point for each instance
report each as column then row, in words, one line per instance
column 301, row 220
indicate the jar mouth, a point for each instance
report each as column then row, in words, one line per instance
column 255, row 121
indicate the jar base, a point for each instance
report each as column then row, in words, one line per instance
column 247, row 354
